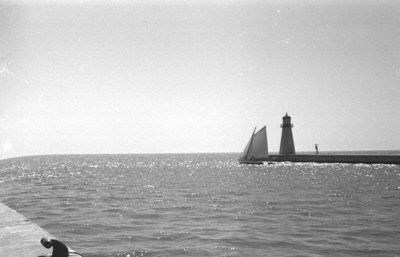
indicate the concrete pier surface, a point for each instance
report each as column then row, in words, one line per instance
column 19, row 236
column 336, row 158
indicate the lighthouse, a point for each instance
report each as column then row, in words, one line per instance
column 287, row 143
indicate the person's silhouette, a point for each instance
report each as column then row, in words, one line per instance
column 59, row 249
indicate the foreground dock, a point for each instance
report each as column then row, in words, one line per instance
column 19, row 237
column 336, row 158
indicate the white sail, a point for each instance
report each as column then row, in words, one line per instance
column 259, row 145
column 256, row 148
column 243, row 156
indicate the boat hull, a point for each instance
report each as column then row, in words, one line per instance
column 252, row 162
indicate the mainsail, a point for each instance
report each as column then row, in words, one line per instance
column 257, row 147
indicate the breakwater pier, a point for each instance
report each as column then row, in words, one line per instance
column 336, row 158
column 287, row 152
column 21, row 237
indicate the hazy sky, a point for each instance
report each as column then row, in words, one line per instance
column 197, row 76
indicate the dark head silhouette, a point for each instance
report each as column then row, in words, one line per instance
column 59, row 249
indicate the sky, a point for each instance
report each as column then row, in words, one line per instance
column 82, row 77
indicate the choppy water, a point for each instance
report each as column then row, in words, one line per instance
column 207, row 205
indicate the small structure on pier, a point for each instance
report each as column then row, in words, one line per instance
column 316, row 149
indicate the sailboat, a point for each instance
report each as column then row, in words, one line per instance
column 256, row 150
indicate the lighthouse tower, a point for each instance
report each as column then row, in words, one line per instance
column 287, row 144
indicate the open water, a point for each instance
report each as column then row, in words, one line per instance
column 206, row 205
